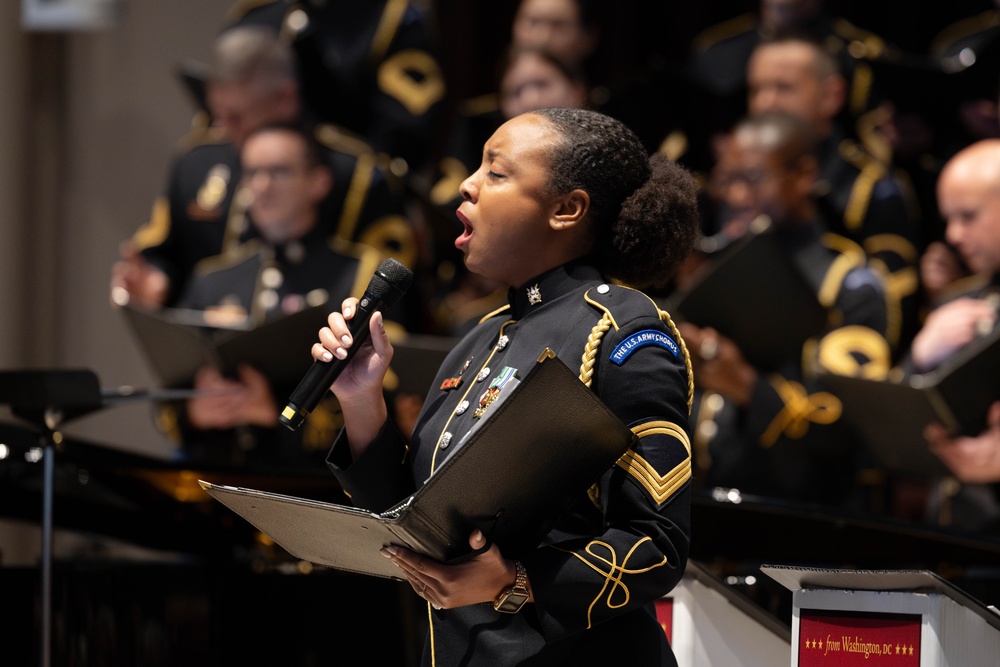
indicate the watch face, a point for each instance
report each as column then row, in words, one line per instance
column 511, row 602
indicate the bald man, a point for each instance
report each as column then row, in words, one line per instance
column 968, row 195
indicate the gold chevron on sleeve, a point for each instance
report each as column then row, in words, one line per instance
column 660, row 487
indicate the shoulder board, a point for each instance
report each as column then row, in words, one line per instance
column 722, row 31
column 622, row 304
column 228, row 259
column 861, row 44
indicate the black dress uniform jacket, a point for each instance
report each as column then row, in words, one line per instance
column 597, row 573
column 790, row 442
column 862, row 199
column 268, row 283
column 369, row 66
column 201, row 215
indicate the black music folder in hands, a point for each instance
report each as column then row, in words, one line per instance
column 535, row 452
column 752, row 293
column 177, row 342
column 890, row 415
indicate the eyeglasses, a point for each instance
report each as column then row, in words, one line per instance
column 751, row 178
column 277, row 172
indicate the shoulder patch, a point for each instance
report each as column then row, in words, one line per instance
column 641, row 339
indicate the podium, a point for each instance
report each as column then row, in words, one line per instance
column 906, row 618
column 710, row 623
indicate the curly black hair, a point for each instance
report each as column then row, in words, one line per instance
column 643, row 210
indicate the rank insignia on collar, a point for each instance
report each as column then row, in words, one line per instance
column 451, row 383
column 534, row 295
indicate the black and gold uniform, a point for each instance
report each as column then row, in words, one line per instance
column 370, row 66
column 201, row 214
column 790, row 442
column 619, row 548
column 266, row 283
column 861, row 199
column 719, row 55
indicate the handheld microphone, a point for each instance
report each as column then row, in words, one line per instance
column 391, row 280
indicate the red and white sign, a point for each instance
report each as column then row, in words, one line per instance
column 846, row 639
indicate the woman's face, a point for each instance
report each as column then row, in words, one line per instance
column 532, row 83
column 507, row 207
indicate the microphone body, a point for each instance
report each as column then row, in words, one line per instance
column 391, row 280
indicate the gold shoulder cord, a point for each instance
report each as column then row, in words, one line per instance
column 594, row 343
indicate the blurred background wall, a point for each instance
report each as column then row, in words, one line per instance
column 89, row 120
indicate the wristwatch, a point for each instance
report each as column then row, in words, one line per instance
column 513, row 597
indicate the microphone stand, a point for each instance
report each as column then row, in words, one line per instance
column 48, row 399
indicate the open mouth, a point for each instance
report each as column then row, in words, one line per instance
column 463, row 238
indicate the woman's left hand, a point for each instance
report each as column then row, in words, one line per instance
column 479, row 579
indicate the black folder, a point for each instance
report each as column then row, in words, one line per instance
column 177, row 342
column 751, row 292
column 891, row 415
column 535, row 453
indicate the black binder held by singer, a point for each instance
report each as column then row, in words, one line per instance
column 891, row 414
column 534, row 454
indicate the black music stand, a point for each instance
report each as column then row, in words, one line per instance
column 48, row 398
